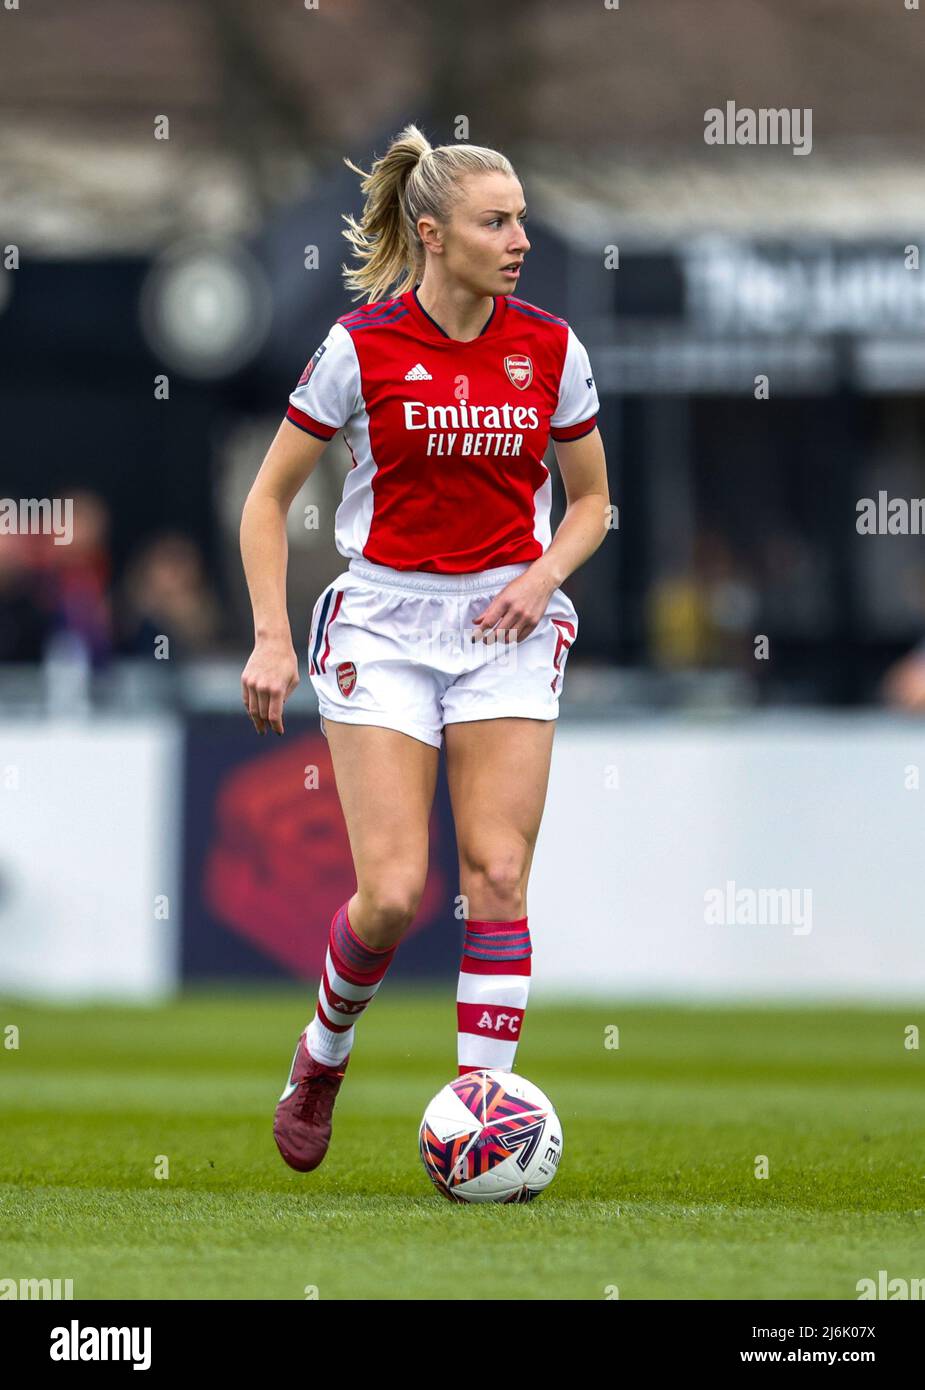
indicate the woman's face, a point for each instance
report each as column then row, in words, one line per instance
column 484, row 240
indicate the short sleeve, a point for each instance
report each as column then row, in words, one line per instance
column 328, row 391
column 576, row 412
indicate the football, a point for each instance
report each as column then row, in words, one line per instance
column 490, row 1136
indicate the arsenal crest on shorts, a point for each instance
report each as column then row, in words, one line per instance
column 346, row 677
column 519, row 370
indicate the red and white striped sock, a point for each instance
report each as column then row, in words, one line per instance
column 352, row 974
column 494, row 981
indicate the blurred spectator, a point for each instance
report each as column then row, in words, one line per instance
column 705, row 616
column 166, row 594
column 796, row 584
column 76, row 579
column 678, row 622
column 904, row 683
column 52, row 591
column 23, row 620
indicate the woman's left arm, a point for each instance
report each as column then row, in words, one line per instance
column 517, row 609
column 587, row 515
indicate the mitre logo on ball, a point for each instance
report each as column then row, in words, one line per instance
column 346, row 677
column 519, row 370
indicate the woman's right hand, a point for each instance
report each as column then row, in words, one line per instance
column 267, row 681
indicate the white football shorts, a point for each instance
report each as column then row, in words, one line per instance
column 394, row 648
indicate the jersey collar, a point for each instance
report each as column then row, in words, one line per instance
column 429, row 326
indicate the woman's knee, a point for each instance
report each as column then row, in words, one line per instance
column 387, row 907
column 496, row 878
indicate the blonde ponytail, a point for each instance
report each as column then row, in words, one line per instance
column 412, row 179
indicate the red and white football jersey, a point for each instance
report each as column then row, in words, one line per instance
column 447, row 437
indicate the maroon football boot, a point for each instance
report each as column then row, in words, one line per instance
column 302, row 1126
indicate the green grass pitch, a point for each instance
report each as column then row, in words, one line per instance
column 656, row 1197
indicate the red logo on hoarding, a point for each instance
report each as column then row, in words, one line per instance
column 346, row 677
column 278, row 861
column 519, row 370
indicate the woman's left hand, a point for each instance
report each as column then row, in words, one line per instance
column 515, row 611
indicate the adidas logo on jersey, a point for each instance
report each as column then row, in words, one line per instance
column 418, row 373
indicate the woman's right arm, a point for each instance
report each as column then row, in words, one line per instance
column 272, row 672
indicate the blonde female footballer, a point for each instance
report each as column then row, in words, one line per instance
column 448, row 622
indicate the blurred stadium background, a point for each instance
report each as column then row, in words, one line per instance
column 158, row 300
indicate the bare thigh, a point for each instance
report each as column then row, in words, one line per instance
column 386, row 782
column 498, row 774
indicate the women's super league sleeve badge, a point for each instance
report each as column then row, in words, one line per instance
column 519, row 370
column 310, row 367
